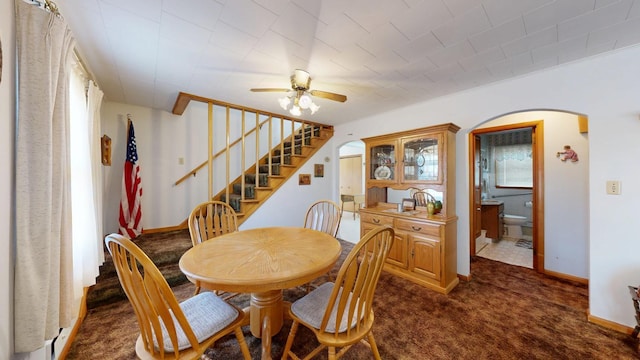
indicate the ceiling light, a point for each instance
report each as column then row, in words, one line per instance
column 295, row 110
column 298, row 102
column 313, row 107
column 305, row 101
column 284, row 102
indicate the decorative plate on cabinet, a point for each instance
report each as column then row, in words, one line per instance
column 382, row 173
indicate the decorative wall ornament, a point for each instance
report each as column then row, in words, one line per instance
column 105, row 143
column 318, row 170
column 567, row 154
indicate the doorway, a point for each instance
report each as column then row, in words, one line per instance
column 479, row 183
column 351, row 182
column 350, row 178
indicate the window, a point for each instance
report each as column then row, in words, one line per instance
column 514, row 166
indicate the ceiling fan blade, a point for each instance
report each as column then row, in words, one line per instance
column 270, row 90
column 328, row 95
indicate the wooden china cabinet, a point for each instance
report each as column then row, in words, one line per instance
column 424, row 250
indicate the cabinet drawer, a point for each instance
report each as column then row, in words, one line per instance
column 418, row 227
column 376, row 219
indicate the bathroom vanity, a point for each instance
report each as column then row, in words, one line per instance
column 424, row 249
column 492, row 214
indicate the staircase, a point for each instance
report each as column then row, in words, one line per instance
column 272, row 169
column 285, row 161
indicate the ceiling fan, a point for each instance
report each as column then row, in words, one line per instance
column 300, row 99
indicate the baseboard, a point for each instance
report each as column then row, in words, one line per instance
column 165, row 229
column 609, row 324
column 82, row 313
column 567, row 277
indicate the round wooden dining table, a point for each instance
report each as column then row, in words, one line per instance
column 263, row 262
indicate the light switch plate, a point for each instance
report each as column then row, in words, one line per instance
column 613, row 187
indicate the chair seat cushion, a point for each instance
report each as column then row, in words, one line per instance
column 311, row 308
column 207, row 314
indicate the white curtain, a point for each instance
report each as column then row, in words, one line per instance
column 43, row 293
column 94, row 103
column 88, row 252
column 514, row 165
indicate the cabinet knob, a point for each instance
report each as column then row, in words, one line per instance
column 377, row 221
column 416, row 228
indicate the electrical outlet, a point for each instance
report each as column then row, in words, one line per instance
column 613, row 187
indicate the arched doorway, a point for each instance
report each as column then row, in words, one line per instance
column 351, row 185
column 560, row 189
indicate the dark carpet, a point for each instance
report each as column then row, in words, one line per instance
column 504, row 312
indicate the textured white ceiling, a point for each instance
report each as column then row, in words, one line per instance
column 381, row 54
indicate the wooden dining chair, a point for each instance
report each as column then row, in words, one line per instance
column 209, row 220
column 169, row 329
column 420, row 196
column 325, row 216
column 340, row 314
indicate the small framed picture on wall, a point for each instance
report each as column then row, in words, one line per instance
column 318, row 170
column 304, row 179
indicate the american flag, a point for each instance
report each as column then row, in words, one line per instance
column 130, row 210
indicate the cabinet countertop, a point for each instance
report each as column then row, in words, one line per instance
column 389, row 209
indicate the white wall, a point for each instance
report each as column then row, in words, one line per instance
column 7, row 114
column 605, row 88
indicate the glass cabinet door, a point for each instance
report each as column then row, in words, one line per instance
column 421, row 159
column 382, row 162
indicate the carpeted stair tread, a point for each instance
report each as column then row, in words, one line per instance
column 263, row 179
column 164, row 254
column 275, row 169
column 249, row 190
column 109, row 289
column 276, row 159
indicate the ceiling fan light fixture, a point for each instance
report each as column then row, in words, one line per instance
column 284, row 102
column 300, row 96
column 305, row 101
column 295, row 110
column 300, row 80
column 313, row 107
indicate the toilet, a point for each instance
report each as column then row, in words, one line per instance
column 513, row 226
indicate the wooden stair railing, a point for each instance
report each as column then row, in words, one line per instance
column 195, row 170
column 256, row 183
